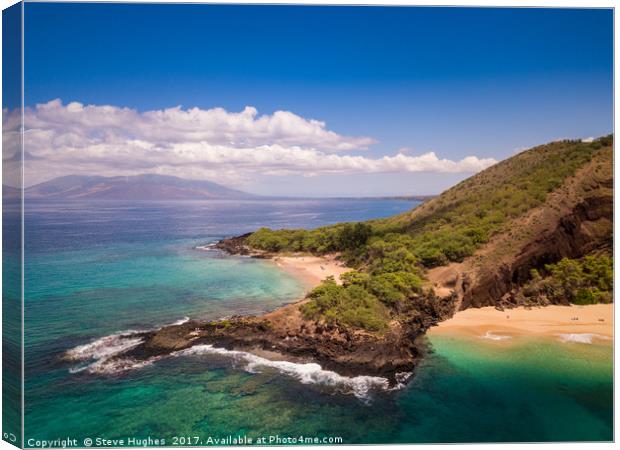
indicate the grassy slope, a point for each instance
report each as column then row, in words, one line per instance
column 392, row 254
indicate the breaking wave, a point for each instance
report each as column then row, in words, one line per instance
column 495, row 337
column 99, row 356
column 181, row 321
column 305, row 373
column 582, row 338
column 401, row 379
column 207, row 247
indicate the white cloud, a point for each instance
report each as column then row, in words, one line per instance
column 587, row 140
column 195, row 143
column 173, row 125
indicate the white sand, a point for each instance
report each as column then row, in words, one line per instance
column 547, row 321
column 312, row 269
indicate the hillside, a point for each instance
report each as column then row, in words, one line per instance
column 565, row 239
column 490, row 231
column 532, row 230
column 137, row 187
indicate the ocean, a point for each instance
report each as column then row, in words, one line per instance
column 95, row 270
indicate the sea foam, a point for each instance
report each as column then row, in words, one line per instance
column 582, row 338
column 181, row 321
column 105, row 347
column 206, row 247
column 100, row 355
column 306, row 373
column 495, row 337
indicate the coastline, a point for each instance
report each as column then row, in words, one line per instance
column 576, row 322
column 282, row 335
column 287, row 337
column 307, row 268
column 579, row 322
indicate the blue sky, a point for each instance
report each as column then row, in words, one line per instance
column 457, row 82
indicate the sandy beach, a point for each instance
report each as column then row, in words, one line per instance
column 311, row 269
column 572, row 322
column 579, row 323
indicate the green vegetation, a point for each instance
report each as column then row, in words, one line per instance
column 350, row 305
column 391, row 254
column 366, row 298
column 340, row 237
column 452, row 226
column 582, row 281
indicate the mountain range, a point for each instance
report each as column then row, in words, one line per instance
column 135, row 187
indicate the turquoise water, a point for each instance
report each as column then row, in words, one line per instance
column 96, row 270
column 525, row 390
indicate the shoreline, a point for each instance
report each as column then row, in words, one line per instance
column 307, row 268
column 311, row 270
column 576, row 322
column 286, row 336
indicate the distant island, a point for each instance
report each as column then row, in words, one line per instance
column 136, row 187
column 533, row 230
column 152, row 187
column 419, row 198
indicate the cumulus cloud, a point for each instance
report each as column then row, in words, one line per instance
column 195, row 143
column 217, row 126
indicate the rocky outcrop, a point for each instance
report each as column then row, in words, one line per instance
column 286, row 334
column 235, row 245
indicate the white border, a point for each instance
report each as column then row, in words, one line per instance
column 479, row 3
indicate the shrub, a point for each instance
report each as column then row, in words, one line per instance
column 350, row 305
column 582, row 281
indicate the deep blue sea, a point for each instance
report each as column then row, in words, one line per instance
column 97, row 269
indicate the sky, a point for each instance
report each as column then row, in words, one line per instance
column 297, row 100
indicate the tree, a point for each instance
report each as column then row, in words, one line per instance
column 354, row 236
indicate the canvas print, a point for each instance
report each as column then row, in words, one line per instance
column 296, row 224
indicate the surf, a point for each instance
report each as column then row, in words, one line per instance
column 360, row 386
column 582, row 338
